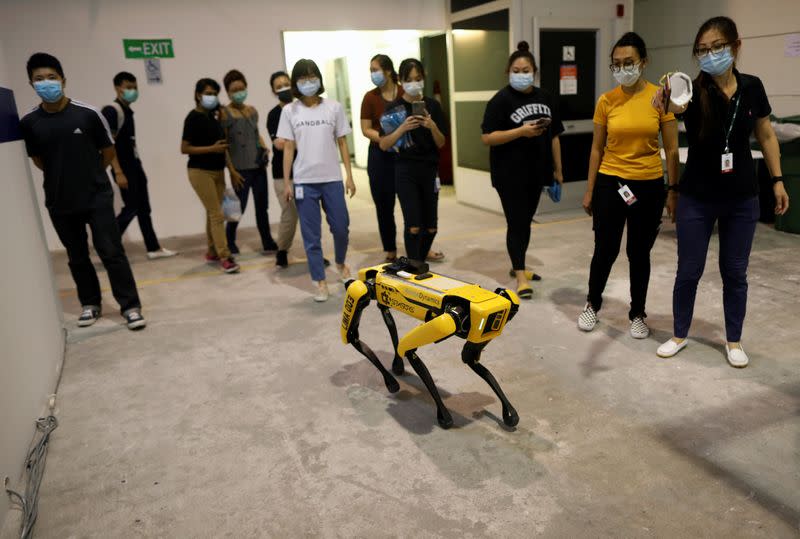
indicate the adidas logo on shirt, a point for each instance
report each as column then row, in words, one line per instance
column 77, row 131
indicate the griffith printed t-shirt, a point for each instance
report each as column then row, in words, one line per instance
column 522, row 159
column 315, row 131
column 69, row 144
column 632, row 126
column 703, row 178
column 203, row 129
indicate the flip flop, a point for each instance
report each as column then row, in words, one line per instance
column 528, row 275
column 525, row 292
column 435, row 256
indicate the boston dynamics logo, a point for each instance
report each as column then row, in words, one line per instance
column 385, row 298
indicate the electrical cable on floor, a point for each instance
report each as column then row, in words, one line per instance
column 34, row 467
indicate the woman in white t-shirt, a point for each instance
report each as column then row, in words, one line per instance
column 315, row 127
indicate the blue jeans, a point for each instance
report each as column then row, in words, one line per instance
column 330, row 195
column 695, row 222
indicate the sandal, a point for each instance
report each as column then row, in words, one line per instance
column 435, row 256
column 525, row 292
column 528, row 275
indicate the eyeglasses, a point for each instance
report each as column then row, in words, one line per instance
column 715, row 50
column 616, row 68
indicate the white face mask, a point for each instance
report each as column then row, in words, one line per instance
column 414, row 89
column 628, row 76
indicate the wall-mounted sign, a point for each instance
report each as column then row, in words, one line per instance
column 148, row 48
column 568, row 53
column 568, row 80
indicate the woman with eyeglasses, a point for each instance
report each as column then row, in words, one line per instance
column 204, row 142
column 626, row 180
column 316, row 127
column 719, row 184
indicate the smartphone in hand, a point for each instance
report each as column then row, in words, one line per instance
column 418, row 108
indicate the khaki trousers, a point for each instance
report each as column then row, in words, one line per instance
column 288, row 222
column 210, row 186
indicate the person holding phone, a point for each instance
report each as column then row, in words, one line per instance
column 204, row 142
column 521, row 126
column 249, row 156
column 719, row 184
column 626, row 180
column 316, row 127
column 417, row 160
column 380, row 164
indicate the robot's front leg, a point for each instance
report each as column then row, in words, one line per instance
column 471, row 355
column 356, row 301
column 397, row 363
column 434, row 330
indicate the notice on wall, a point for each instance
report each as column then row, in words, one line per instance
column 568, row 53
column 152, row 68
column 148, row 48
column 568, row 80
column 791, row 47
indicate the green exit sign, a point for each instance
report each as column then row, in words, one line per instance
column 148, row 48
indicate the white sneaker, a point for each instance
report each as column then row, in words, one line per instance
column 161, row 253
column 322, row 294
column 736, row 357
column 588, row 318
column 639, row 329
column 670, row 348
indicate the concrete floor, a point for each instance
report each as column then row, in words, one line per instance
column 239, row 413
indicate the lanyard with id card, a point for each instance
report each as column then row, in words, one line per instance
column 727, row 156
column 627, row 195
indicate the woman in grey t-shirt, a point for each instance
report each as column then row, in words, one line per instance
column 249, row 156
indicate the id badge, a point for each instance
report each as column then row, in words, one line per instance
column 437, row 185
column 298, row 192
column 627, row 195
column 727, row 163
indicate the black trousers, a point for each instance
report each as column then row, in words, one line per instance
column 71, row 230
column 415, row 182
column 609, row 215
column 255, row 179
column 137, row 204
column 520, row 199
column 380, row 168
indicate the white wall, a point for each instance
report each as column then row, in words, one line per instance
column 210, row 37
column 669, row 34
column 30, row 332
column 473, row 187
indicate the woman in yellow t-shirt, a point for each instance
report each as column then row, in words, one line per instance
column 626, row 180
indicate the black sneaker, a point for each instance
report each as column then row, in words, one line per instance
column 233, row 248
column 89, row 316
column 282, row 259
column 270, row 248
column 134, row 319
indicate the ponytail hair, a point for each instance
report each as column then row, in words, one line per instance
column 523, row 51
column 704, row 81
column 386, row 64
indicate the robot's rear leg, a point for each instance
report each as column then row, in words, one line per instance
column 442, row 414
column 388, row 379
column 397, row 363
column 471, row 355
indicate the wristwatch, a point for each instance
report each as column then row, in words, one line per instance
column 672, row 187
column 776, row 179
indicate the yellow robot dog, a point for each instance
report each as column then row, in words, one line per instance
column 447, row 307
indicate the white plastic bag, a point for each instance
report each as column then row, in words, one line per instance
column 231, row 207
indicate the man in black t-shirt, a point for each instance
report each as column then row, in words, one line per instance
column 127, row 168
column 71, row 143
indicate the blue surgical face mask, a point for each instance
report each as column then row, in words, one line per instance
column 520, row 81
column 50, row 91
column 130, row 95
column 717, row 64
column 239, row 97
column 209, row 102
column 378, row 78
column 414, row 89
column 308, row 87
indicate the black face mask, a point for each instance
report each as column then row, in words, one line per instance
column 285, row 96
